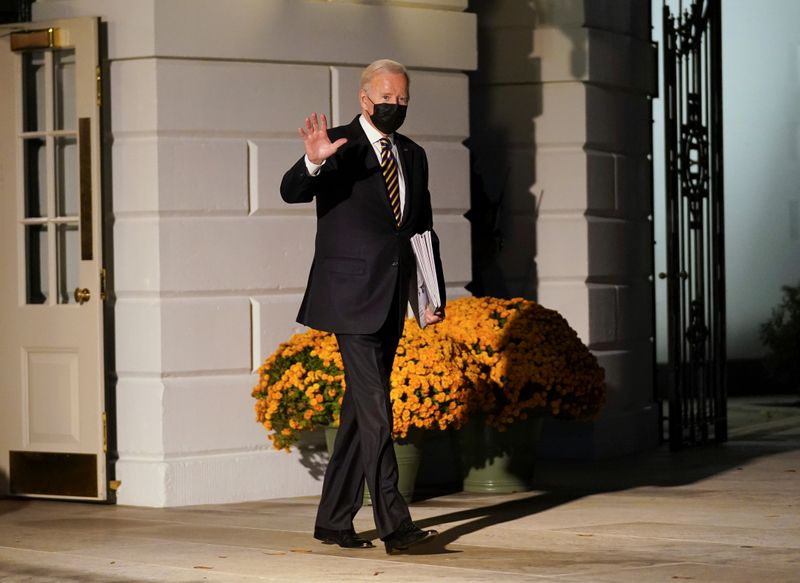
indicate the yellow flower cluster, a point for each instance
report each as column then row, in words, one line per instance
column 300, row 387
column 430, row 382
column 530, row 360
column 503, row 358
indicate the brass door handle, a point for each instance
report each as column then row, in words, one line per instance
column 82, row 295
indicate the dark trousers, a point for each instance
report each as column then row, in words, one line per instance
column 363, row 447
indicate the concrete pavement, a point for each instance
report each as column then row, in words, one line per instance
column 719, row 514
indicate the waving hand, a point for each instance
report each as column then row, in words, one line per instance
column 316, row 141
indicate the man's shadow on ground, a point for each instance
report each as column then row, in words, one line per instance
column 560, row 482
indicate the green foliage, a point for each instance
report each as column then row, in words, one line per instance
column 781, row 335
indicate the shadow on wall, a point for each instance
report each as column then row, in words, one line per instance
column 505, row 100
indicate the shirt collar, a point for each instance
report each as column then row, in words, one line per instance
column 373, row 135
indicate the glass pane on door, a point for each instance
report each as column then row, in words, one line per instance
column 33, row 91
column 35, row 164
column 66, row 177
column 36, row 255
column 64, row 89
column 68, row 253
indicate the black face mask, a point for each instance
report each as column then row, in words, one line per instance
column 388, row 117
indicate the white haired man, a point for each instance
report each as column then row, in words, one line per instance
column 370, row 185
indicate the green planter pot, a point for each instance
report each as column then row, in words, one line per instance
column 494, row 462
column 408, row 454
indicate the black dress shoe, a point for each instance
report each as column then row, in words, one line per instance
column 346, row 540
column 406, row 536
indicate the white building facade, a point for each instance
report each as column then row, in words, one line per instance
column 208, row 265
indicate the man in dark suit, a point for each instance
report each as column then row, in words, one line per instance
column 370, row 185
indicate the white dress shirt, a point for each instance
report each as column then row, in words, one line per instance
column 374, row 137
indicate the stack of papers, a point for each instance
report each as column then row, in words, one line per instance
column 427, row 283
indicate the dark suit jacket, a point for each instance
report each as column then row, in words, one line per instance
column 360, row 253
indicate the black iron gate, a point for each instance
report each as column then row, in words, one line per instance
column 695, row 276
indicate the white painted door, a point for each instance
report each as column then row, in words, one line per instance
column 52, row 419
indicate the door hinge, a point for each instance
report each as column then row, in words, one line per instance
column 103, row 277
column 99, row 79
column 105, row 432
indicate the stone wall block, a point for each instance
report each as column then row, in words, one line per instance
column 622, row 61
column 140, row 431
column 137, row 335
column 454, row 245
column 269, row 30
column 448, row 179
column 552, row 54
column 620, row 313
column 512, row 181
column 136, row 255
column 566, row 242
column 274, row 321
column 601, row 187
column 205, row 334
column 134, row 88
column 506, row 13
column 559, row 13
column 508, row 55
column 550, row 107
column 269, row 159
column 561, row 180
column 570, row 298
column 219, row 402
column 247, row 97
column 634, row 186
column 244, row 475
column 135, row 174
column 202, row 175
column 144, row 481
column 619, row 185
column 604, row 314
column 629, row 376
column 636, row 308
column 625, row 17
column 619, row 248
column 508, row 113
column 515, row 260
column 618, row 122
column 561, row 126
column 251, row 253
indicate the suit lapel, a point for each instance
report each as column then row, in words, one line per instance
column 406, row 159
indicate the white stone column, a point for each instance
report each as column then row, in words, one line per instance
column 209, row 263
column 561, row 117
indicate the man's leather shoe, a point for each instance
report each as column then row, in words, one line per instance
column 347, row 540
column 406, row 536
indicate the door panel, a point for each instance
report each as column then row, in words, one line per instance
column 52, row 431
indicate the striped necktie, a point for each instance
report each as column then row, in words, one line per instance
column 389, row 167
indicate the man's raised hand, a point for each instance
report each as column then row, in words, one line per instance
column 316, row 141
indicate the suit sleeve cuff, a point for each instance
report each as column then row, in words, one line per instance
column 313, row 169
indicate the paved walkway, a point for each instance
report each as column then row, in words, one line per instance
column 723, row 514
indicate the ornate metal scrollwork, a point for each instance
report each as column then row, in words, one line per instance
column 695, row 274
column 694, row 160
